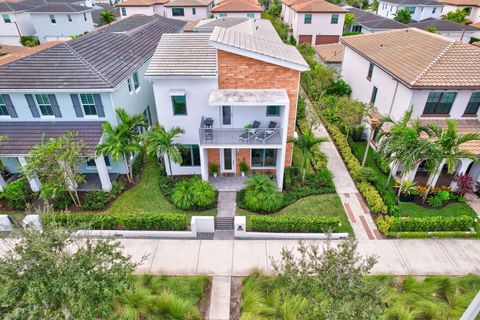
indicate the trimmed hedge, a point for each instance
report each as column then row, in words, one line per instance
column 293, row 224
column 417, row 224
column 437, row 234
column 150, row 221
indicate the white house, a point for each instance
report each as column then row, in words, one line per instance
column 420, row 9
column 386, row 70
column 315, row 22
column 145, row 7
column 190, row 10
column 15, row 22
column 368, row 22
column 234, row 92
column 472, row 6
column 238, row 8
column 447, row 28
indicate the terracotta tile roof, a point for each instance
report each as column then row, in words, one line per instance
column 420, row 59
column 140, row 3
column 331, row 53
column 473, row 3
column 237, row 6
column 314, row 6
column 190, row 26
column 25, row 52
column 188, row 3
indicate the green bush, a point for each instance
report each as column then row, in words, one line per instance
column 367, row 174
column 95, row 200
column 372, row 197
column 435, row 202
column 117, row 188
column 350, row 33
column 62, row 201
column 293, row 224
column 322, row 178
column 193, row 194
column 287, row 179
column 384, row 224
column 339, row 88
column 440, row 223
column 16, row 194
column 151, row 221
column 29, row 41
column 261, row 194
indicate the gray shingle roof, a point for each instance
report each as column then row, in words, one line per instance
column 60, row 8
column 185, row 54
column 373, row 21
column 99, row 60
column 416, row 2
column 442, row 25
column 23, row 136
column 13, row 6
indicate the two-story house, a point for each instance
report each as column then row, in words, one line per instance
column 76, row 86
column 472, row 7
column 368, row 22
column 238, row 8
column 145, row 7
column 234, row 92
column 190, row 10
column 315, row 21
column 419, row 9
column 447, row 28
column 14, row 22
column 386, row 70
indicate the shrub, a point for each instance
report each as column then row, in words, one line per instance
column 372, row 197
column 339, row 88
column 464, row 184
column 323, row 177
column 95, row 200
column 62, row 201
column 444, row 195
column 366, row 174
column 193, row 193
column 287, row 179
column 29, row 41
column 16, row 194
column 243, row 166
column 383, row 224
column 117, row 188
column 301, row 109
column 293, row 224
column 181, row 195
column 214, row 167
column 350, row 33
column 261, row 194
column 435, row 202
column 439, row 223
column 151, row 221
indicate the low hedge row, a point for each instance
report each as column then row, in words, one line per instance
column 150, row 221
column 392, row 225
column 293, row 224
column 369, row 192
column 435, row 235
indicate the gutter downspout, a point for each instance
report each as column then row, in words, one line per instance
column 393, row 99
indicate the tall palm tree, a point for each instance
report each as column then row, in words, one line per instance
column 403, row 16
column 132, row 122
column 161, row 141
column 108, row 16
column 307, row 143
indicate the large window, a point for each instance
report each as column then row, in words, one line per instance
column 356, row 28
column 91, row 162
column 190, row 155
column 439, row 102
column 178, row 12
column 223, row 14
column 373, row 97
column 473, row 103
column 250, row 15
column 308, row 18
column 411, row 9
column 370, row 71
column 3, row 107
column 88, row 104
column 194, row 11
column 262, row 158
column 179, row 104
column 124, row 11
column 44, row 104
column 6, row 18
column 273, row 111
column 334, row 19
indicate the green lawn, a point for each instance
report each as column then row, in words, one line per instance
column 325, row 205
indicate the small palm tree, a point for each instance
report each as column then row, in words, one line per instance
column 161, row 141
column 307, row 144
column 403, row 16
column 108, row 16
column 133, row 122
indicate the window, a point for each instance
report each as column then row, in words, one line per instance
column 434, row 9
column 308, row 18
column 273, row 111
column 179, row 104
column 194, row 11
column 334, row 19
column 473, row 103
column 6, row 18
column 91, row 162
column 3, row 107
column 439, row 102
column 411, row 9
column 250, row 15
column 148, row 116
column 85, row 17
column 468, row 10
column 130, row 85
column 223, row 14
column 136, row 83
column 190, row 155
column 52, row 19
column 370, row 71
column 69, row 17
column 178, row 12
column 264, row 158
column 88, row 104
column 44, row 104
column 124, row 11
column 374, row 95
column 357, row 29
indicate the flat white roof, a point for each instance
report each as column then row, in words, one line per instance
column 244, row 97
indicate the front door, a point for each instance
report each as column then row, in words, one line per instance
column 228, row 160
column 226, row 116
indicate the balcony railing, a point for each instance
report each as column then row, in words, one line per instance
column 240, row 136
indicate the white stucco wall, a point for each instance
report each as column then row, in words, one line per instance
column 201, row 13
column 388, row 10
column 20, row 25
column 130, row 11
column 62, row 29
column 321, row 25
column 256, row 15
column 458, row 35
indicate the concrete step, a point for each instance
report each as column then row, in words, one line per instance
column 223, row 223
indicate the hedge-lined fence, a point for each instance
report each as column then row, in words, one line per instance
column 293, row 224
column 150, row 221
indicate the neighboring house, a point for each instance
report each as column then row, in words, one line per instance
column 315, row 22
column 472, row 6
column 420, row 9
column 368, row 22
column 435, row 77
column 16, row 53
column 331, row 55
column 15, row 22
column 209, row 24
column 145, row 7
column 447, row 28
column 238, row 8
column 234, row 92
column 76, row 86
column 189, row 9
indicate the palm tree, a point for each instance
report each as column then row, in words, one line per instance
column 133, row 122
column 108, row 16
column 161, row 141
column 403, row 16
column 307, row 143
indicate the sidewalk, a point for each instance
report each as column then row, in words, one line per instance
column 240, row 257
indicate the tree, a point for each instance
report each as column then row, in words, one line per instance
column 307, row 143
column 43, row 278
column 333, row 280
column 403, row 16
column 317, row 81
column 108, row 16
column 458, row 16
column 349, row 20
column 350, row 113
column 374, row 6
column 431, row 29
column 56, row 163
column 161, row 141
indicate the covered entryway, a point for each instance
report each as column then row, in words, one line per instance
column 321, row 39
column 305, row 38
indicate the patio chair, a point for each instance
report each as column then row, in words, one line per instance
column 265, row 134
column 249, row 133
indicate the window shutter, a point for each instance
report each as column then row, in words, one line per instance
column 10, row 106
column 76, row 105
column 55, row 106
column 32, row 106
column 99, row 105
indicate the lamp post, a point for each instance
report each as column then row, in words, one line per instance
column 373, row 125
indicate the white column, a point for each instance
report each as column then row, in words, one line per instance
column 411, row 174
column 3, row 184
column 432, row 180
column 33, row 181
column 281, row 153
column 204, row 163
column 103, row 173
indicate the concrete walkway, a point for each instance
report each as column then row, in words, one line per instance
column 353, row 203
column 226, row 204
column 241, row 257
column 220, row 298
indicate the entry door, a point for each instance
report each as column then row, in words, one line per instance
column 228, row 160
column 226, row 116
